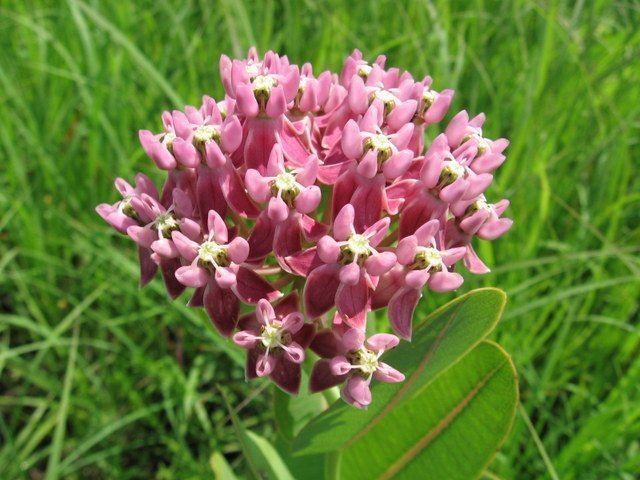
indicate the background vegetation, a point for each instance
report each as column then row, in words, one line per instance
column 101, row 380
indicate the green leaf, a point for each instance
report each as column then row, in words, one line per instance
column 262, row 458
column 292, row 412
column 450, row 429
column 438, row 341
column 221, row 468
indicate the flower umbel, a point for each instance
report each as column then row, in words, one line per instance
column 309, row 201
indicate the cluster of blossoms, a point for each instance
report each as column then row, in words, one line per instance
column 316, row 200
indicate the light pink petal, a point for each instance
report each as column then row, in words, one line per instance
column 343, row 223
column 456, row 129
column 397, row 164
column 246, row 339
column 427, row 232
column 473, row 262
column 265, row 365
column 213, row 155
column 453, row 255
column 358, row 101
column 472, row 223
column 143, row 236
column 308, row 199
column 402, row 114
column 376, row 232
column 368, row 165
column 231, row 136
column 353, row 339
column 265, row 312
column 238, row 250
column 445, row 281
column 501, row 206
column 386, row 373
column 477, row 184
column 381, row 263
column 293, row 322
column 438, row 110
column 257, row 185
column 402, row 137
column 307, row 176
column 350, row 274
column 454, row 192
column 225, row 277
column 340, row 365
column 192, row 276
column 294, row 352
column 382, row 341
column 216, row 225
column 165, row 248
column 246, row 100
column 417, row 279
column 328, row 249
column 495, row 229
column 185, row 153
column 358, row 389
column 406, row 250
column 187, row 248
column 277, row 210
column 277, row 103
column 351, row 140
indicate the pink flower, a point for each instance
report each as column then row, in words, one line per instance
column 276, row 339
column 320, row 185
column 355, row 364
column 354, row 263
column 284, row 189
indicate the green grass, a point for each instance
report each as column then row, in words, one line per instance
column 101, row 380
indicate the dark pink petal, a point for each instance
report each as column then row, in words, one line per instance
column 320, row 290
column 388, row 285
column 401, row 308
column 196, row 300
column 322, row 378
column 329, row 173
column 302, row 263
column 287, row 375
column 168, row 268
column 261, row 238
column 148, row 267
column 222, row 306
column 258, row 143
column 367, row 201
column 353, row 302
column 235, row 194
column 311, row 228
column 251, row 287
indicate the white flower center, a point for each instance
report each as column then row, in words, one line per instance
column 428, row 258
column 165, row 223
column 429, row 96
column 482, row 204
column 253, row 69
column 359, row 245
column 264, row 83
column 455, row 168
column 204, row 133
column 168, row 138
column 367, row 361
column 285, row 181
column 364, row 70
column 212, row 253
column 482, row 146
column 271, row 335
column 385, row 95
column 380, row 142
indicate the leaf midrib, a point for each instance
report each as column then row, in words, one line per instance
column 432, row 434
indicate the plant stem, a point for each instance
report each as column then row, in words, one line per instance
column 332, row 465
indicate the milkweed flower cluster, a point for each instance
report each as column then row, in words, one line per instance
column 299, row 203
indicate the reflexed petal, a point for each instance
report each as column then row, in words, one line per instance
column 251, row 287
column 222, row 306
column 322, row 378
column 401, row 309
column 320, row 290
